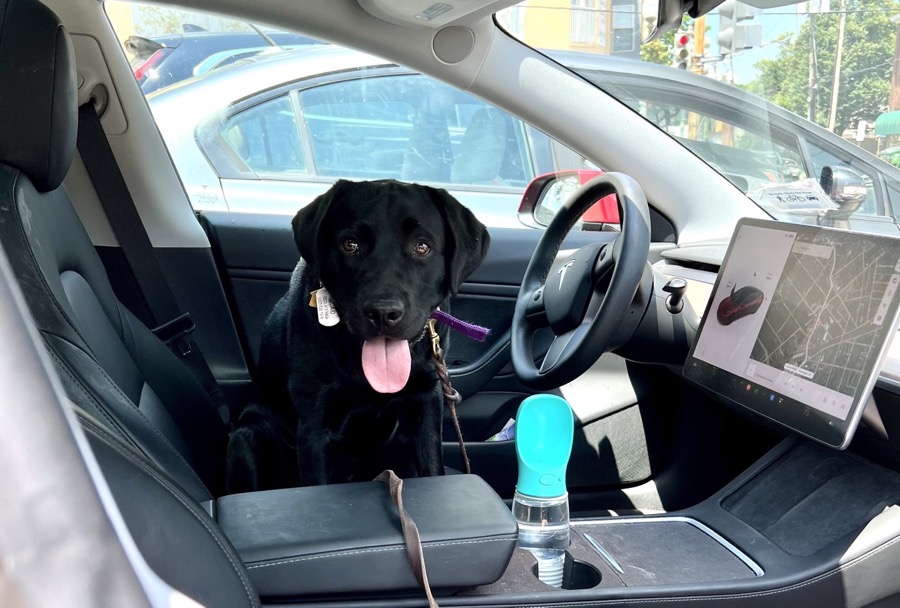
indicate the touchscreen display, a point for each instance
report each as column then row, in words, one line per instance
column 798, row 325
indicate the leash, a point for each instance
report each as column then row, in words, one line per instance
column 415, row 553
column 451, row 396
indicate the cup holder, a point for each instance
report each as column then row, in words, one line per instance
column 576, row 574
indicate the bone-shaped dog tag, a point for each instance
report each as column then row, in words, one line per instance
column 328, row 315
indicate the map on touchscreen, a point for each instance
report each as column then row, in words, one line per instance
column 800, row 318
column 824, row 320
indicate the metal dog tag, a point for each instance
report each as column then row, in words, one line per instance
column 328, row 315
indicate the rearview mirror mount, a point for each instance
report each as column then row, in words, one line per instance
column 660, row 16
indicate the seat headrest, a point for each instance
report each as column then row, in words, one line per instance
column 482, row 149
column 38, row 96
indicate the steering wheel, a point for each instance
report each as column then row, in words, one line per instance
column 587, row 298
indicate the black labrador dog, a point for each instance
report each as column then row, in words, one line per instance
column 348, row 384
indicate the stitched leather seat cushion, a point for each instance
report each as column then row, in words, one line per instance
column 345, row 538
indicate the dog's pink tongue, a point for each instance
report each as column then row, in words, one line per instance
column 386, row 363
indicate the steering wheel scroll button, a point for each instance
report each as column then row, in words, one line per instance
column 534, row 306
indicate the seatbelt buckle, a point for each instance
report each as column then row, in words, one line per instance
column 174, row 333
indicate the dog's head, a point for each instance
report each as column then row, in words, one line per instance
column 389, row 253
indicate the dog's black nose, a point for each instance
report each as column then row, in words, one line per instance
column 384, row 313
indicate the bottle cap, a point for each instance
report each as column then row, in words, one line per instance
column 544, row 432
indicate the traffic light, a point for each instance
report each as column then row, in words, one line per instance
column 681, row 50
column 734, row 35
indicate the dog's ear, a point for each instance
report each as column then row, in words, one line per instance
column 307, row 222
column 467, row 239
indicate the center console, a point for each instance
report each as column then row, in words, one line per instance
column 805, row 526
column 791, row 526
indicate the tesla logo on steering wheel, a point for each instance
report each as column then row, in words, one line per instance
column 562, row 272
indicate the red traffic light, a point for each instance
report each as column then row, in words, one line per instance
column 681, row 52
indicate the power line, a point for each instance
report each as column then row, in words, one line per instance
column 886, row 11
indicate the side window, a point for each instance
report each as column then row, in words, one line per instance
column 412, row 128
column 266, row 140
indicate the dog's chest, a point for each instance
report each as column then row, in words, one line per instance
column 361, row 424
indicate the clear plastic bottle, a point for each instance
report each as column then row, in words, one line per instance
column 544, row 433
column 544, row 530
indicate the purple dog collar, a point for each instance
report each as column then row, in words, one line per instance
column 470, row 330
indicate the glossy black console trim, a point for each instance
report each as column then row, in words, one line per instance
column 747, row 561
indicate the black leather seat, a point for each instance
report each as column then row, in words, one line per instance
column 157, row 437
column 112, row 366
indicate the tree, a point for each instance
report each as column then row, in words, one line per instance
column 865, row 68
column 158, row 21
column 659, row 50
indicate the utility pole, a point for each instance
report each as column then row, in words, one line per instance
column 699, row 45
column 842, row 23
column 894, row 103
column 813, row 68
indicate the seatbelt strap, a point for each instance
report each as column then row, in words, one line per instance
column 173, row 326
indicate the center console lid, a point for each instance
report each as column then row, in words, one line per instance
column 346, row 538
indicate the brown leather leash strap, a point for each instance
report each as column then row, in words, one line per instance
column 414, row 551
column 451, row 396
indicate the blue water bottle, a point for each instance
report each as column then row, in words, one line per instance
column 544, row 431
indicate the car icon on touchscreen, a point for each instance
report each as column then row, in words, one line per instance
column 742, row 302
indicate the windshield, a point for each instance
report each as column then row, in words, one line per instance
column 798, row 105
column 751, row 92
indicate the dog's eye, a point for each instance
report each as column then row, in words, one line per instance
column 422, row 248
column 350, row 246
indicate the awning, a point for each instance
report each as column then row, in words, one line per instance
column 888, row 123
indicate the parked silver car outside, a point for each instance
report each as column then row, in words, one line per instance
column 287, row 125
